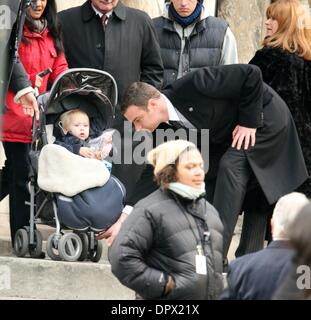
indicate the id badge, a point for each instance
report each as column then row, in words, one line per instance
column 200, row 264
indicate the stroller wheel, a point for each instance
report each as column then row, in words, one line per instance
column 70, row 247
column 35, row 250
column 21, row 242
column 85, row 245
column 96, row 253
column 51, row 248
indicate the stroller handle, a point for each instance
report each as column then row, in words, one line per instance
column 38, row 127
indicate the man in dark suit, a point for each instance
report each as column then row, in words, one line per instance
column 125, row 45
column 252, row 134
column 256, row 276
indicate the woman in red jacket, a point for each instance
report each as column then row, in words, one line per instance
column 40, row 48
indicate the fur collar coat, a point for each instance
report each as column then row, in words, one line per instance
column 290, row 76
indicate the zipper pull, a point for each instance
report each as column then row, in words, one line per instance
column 199, row 250
column 207, row 235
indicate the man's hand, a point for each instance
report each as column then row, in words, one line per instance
column 110, row 234
column 29, row 104
column 86, row 152
column 242, row 134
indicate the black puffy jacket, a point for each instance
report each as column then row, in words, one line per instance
column 203, row 47
column 156, row 240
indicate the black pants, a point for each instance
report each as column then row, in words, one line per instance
column 253, row 232
column 16, row 167
column 234, row 174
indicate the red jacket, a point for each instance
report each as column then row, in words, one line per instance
column 36, row 56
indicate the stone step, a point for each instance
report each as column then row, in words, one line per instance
column 6, row 248
column 18, row 298
column 46, row 231
column 4, row 225
column 45, row 279
column 5, row 228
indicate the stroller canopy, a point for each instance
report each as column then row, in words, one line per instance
column 93, row 91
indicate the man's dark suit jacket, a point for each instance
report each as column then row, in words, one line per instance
column 256, row 276
column 219, row 99
column 128, row 49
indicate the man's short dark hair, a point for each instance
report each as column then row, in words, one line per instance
column 138, row 94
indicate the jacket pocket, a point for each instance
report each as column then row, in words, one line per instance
column 53, row 52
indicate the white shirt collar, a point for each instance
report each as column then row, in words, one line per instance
column 172, row 114
column 108, row 14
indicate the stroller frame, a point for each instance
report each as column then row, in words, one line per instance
column 81, row 244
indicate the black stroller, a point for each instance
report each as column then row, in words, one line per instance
column 94, row 92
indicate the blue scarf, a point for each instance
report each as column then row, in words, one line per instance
column 186, row 21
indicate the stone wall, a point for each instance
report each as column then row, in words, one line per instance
column 62, row 5
column 246, row 19
column 152, row 7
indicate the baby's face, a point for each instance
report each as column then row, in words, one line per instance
column 80, row 126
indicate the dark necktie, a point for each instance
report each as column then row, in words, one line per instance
column 176, row 124
column 104, row 19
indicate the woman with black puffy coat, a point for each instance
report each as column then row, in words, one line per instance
column 170, row 247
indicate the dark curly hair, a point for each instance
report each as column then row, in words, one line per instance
column 167, row 175
column 53, row 24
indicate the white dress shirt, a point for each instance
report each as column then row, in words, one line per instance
column 173, row 115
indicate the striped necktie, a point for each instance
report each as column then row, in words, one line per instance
column 104, row 19
column 176, row 124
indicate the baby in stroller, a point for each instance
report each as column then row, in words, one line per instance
column 75, row 125
column 78, row 192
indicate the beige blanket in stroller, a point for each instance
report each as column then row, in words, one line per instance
column 62, row 171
